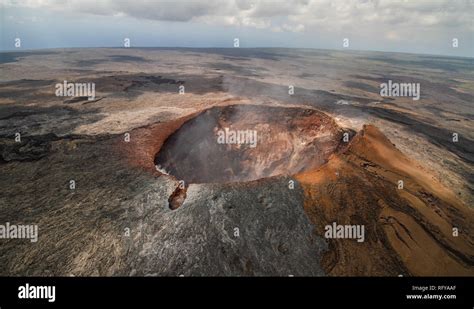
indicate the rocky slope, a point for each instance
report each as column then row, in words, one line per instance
column 119, row 220
column 409, row 230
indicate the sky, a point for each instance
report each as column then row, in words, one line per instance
column 418, row 26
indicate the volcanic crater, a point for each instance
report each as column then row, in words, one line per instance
column 238, row 143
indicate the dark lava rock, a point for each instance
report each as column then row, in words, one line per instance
column 28, row 149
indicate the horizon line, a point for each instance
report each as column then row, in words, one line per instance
column 213, row 47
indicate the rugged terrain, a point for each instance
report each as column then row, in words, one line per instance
column 241, row 211
column 410, row 229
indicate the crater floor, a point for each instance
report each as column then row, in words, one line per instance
column 237, row 143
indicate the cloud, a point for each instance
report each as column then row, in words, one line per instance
column 292, row 16
column 169, row 10
column 392, row 36
column 293, row 28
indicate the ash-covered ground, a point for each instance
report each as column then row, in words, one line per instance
column 123, row 216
